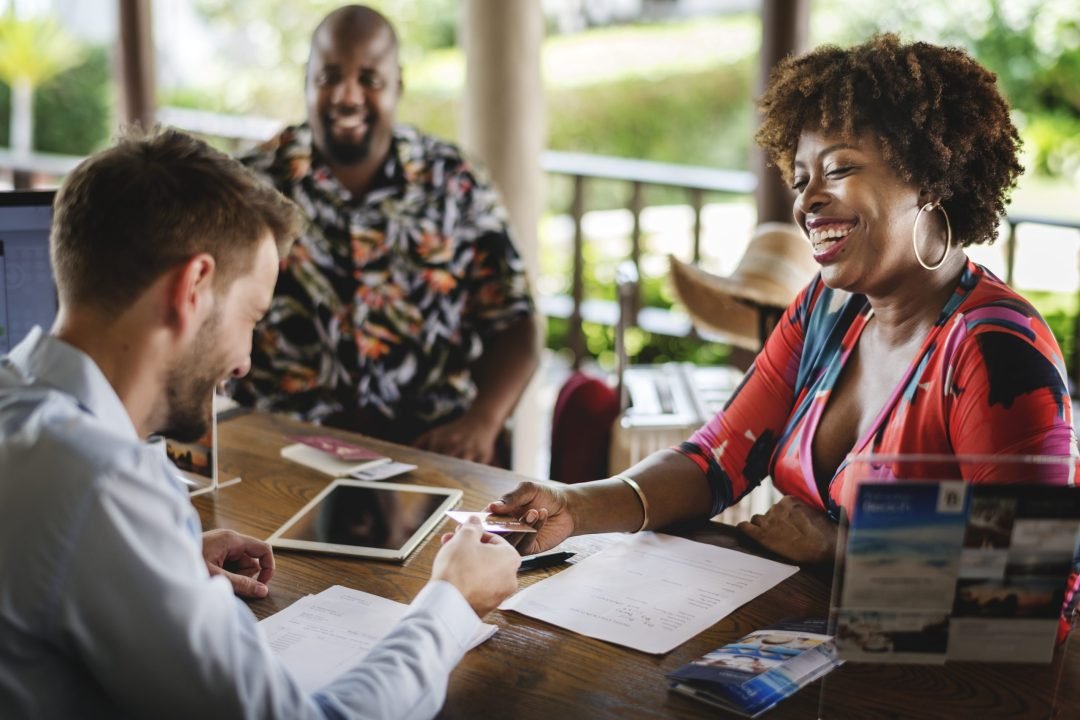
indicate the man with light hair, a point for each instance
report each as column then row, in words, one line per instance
column 112, row 602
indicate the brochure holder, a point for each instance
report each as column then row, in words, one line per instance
column 948, row 596
column 196, row 463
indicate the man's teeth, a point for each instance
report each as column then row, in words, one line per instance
column 350, row 121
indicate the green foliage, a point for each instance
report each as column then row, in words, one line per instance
column 34, row 50
column 1060, row 312
column 270, row 39
column 697, row 118
column 72, row 112
column 1053, row 142
column 642, row 347
column 1032, row 45
column 679, row 118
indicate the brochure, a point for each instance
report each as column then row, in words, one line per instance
column 955, row 571
column 753, row 674
column 339, row 458
column 197, row 462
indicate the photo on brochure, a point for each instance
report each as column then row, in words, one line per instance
column 904, row 546
column 197, row 461
column 892, row 636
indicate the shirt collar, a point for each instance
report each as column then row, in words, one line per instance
column 47, row 360
column 404, row 149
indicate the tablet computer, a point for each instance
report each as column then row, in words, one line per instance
column 367, row 519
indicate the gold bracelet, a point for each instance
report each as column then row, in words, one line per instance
column 641, row 496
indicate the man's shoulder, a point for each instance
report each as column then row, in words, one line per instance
column 45, row 432
column 283, row 156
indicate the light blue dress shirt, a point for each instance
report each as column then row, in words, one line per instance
column 106, row 606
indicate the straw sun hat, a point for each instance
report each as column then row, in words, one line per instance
column 777, row 264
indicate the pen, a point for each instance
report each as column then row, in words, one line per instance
column 542, row 561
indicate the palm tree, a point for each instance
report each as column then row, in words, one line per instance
column 32, row 52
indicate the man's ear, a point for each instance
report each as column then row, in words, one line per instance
column 191, row 296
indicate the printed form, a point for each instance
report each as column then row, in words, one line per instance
column 319, row 637
column 650, row 592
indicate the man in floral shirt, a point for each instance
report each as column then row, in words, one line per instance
column 404, row 311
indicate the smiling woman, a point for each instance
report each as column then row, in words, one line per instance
column 901, row 155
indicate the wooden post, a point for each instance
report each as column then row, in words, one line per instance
column 503, row 126
column 697, row 201
column 637, row 204
column 576, row 337
column 785, row 26
column 136, row 63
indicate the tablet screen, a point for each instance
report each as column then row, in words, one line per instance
column 366, row 518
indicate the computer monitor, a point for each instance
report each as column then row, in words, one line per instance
column 27, row 290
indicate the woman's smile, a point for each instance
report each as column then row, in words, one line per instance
column 828, row 236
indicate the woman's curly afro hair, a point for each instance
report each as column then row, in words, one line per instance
column 937, row 114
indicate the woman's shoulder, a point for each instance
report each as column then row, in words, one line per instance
column 999, row 327
column 990, row 305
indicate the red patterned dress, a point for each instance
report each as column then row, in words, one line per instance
column 989, row 379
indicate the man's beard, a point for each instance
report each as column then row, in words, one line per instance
column 344, row 153
column 190, row 384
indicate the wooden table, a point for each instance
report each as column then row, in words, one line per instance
column 533, row 670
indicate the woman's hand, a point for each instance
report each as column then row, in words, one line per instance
column 544, row 507
column 795, row 530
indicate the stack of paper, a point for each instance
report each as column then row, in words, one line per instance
column 321, row 636
column 650, row 592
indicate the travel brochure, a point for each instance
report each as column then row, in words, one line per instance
column 197, row 461
column 753, row 674
column 339, row 458
column 954, row 571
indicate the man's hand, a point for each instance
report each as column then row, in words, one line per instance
column 483, row 567
column 795, row 530
column 470, row 437
column 542, row 506
column 247, row 563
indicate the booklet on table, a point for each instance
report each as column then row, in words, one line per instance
column 338, row 458
column 753, row 674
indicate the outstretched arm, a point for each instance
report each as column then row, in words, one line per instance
column 675, row 489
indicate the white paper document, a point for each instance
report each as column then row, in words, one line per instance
column 321, row 636
column 651, row 592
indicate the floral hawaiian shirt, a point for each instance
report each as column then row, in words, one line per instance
column 386, row 299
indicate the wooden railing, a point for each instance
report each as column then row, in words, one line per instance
column 637, row 174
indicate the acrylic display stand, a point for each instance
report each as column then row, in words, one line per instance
column 949, row 586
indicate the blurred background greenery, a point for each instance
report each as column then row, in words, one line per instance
column 677, row 90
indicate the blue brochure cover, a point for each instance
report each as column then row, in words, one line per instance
column 761, row 669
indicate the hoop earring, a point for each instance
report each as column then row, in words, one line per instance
column 915, row 234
